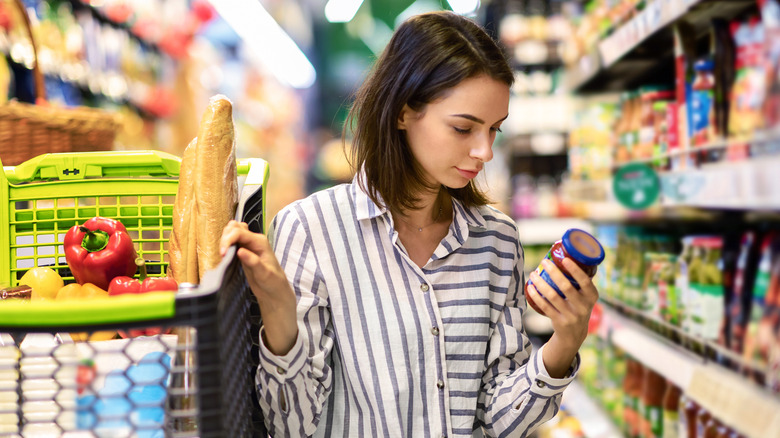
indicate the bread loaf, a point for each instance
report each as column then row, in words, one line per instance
column 216, row 188
column 182, row 249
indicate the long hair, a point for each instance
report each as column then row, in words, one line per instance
column 427, row 55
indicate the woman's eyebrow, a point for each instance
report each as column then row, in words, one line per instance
column 476, row 119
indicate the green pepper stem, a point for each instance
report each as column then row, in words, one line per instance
column 141, row 263
column 95, row 240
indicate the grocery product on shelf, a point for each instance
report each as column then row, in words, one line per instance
column 652, row 102
column 749, row 87
column 671, row 410
column 770, row 18
column 590, row 152
column 682, row 281
column 693, row 271
column 682, row 291
column 702, row 103
column 649, row 404
column 738, row 293
column 706, row 298
column 632, row 395
column 756, row 345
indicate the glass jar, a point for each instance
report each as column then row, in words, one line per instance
column 579, row 246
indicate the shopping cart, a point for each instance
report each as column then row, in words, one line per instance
column 156, row 364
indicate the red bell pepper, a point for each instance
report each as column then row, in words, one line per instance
column 129, row 285
column 98, row 251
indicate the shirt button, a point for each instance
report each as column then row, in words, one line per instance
column 540, row 384
column 280, row 370
column 424, row 287
column 440, row 384
column 435, row 331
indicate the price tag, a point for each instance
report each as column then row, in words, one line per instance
column 636, row 186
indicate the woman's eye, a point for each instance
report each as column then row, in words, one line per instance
column 461, row 131
column 496, row 129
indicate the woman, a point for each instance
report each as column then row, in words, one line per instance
column 392, row 306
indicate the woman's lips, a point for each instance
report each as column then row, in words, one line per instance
column 468, row 174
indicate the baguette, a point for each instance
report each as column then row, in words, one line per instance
column 183, row 240
column 216, row 176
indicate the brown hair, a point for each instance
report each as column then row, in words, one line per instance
column 427, row 55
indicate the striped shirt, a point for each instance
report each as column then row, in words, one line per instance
column 387, row 349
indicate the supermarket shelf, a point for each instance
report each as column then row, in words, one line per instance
column 583, row 71
column 690, row 194
column 762, row 143
column 736, row 401
column 79, row 5
column 744, row 185
column 594, row 421
column 541, row 231
column 641, row 50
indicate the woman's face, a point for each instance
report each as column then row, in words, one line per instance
column 452, row 137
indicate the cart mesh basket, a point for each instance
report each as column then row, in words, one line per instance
column 150, row 365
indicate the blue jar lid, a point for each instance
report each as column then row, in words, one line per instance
column 704, row 65
column 582, row 247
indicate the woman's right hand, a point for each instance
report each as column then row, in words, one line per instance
column 269, row 285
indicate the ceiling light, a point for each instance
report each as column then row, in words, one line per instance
column 268, row 41
column 464, row 7
column 341, row 11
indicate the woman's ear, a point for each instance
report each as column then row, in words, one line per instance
column 404, row 117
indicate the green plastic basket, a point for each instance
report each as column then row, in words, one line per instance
column 45, row 196
column 49, row 194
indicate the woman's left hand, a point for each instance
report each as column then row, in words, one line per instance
column 569, row 316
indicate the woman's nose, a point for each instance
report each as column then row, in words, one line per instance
column 483, row 149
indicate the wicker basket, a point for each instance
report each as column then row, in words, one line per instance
column 28, row 130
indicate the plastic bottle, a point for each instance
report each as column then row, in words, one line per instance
column 653, row 392
column 702, row 103
column 579, row 246
column 703, row 419
column 710, row 288
column 671, row 413
column 689, row 412
column 681, row 283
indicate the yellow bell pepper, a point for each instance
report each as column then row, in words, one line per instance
column 86, row 291
column 75, row 291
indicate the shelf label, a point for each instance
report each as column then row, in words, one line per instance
column 636, row 186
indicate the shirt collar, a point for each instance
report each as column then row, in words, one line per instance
column 365, row 208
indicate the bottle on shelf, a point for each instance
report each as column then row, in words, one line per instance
column 671, row 411
column 689, row 414
column 632, row 391
column 653, row 392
